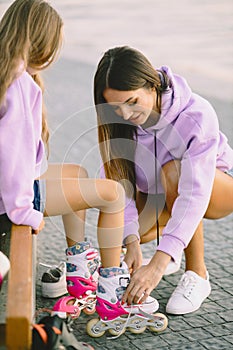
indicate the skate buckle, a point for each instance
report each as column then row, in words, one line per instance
column 124, row 281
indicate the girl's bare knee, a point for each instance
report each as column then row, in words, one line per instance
column 74, row 171
column 113, row 193
column 82, row 172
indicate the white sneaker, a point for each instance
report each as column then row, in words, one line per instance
column 172, row 267
column 4, row 266
column 53, row 281
column 190, row 293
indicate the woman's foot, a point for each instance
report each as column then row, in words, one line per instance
column 190, row 293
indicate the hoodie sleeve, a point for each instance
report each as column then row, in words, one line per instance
column 18, row 145
column 198, row 167
column 131, row 226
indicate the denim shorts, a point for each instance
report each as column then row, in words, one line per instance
column 39, row 195
column 229, row 172
column 38, row 204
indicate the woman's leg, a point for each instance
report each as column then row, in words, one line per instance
column 65, row 195
column 221, row 200
column 194, row 253
column 146, row 204
column 220, row 205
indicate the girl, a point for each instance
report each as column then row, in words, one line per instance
column 150, row 116
column 30, row 39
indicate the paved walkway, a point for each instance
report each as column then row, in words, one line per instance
column 195, row 39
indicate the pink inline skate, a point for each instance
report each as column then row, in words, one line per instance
column 114, row 316
column 82, row 263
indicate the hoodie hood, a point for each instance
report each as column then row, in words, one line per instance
column 174, row 100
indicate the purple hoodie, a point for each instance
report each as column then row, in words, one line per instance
column 187, row 130
column 21, row 150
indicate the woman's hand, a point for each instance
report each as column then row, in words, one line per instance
column 146, row 278
column 133, row 257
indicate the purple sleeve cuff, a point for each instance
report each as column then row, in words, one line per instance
column 171, row 246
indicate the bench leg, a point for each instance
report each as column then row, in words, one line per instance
column 20, row 291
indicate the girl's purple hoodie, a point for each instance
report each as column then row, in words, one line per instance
column 21, row 150
column 188, row 131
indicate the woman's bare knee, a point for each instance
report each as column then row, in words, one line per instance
column 170, row 177
column 221, row 200
column 170, row 174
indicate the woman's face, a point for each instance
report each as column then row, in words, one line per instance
column 135, row 106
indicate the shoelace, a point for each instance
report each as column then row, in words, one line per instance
column 187, row 283
column 60, row 266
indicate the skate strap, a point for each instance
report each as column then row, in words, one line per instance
column 124, row 281
column 91, row 255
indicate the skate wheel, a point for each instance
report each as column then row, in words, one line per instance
column 89, row 310
column 137, row 329
column 92, row 330
column 118, row 328
column 161, row 324
column 90, row 307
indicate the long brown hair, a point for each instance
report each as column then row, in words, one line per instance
column 30, row 32
column 124, row 69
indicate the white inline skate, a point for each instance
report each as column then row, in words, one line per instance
column 114, row 316
column 82, row 263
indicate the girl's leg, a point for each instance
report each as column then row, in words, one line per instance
column 74, row 222
column 65, row 195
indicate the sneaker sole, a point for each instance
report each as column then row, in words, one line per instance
column 52, row 291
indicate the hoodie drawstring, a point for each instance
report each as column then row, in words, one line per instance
column 156, row 190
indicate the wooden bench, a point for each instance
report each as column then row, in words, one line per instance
column 20, row 306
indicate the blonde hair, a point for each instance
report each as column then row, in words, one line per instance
column 30, row 32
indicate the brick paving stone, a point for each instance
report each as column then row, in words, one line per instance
column 219, row 294
column 218, row 330
column 211, row 307
column 216, row 344
column 195, row 334
column 214, row 318
column 187, row 346
column 149, row 343
column 173, row 338
column 229, row 338
column 227, row 315
column 197, row 321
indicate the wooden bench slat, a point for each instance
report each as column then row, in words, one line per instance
column 20, row 292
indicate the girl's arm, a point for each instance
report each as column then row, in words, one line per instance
column 19, row 139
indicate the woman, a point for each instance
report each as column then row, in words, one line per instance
column 146, row 114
